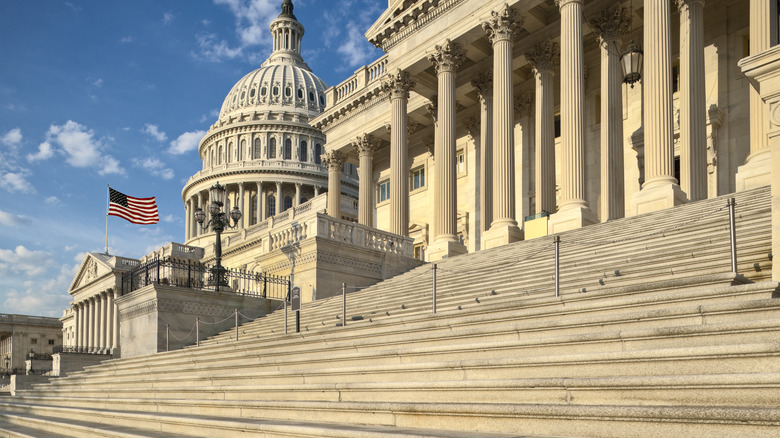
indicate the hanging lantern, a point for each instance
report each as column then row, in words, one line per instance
column 631, row 61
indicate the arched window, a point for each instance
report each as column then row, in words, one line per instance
column 303, row 154
column 219, row 155
column 288, row 149
column 272, row 148
column 241, row 149
column 317, row 154
column 229, row 152
column 287, row 202
column 256, row 151
column 271, row 206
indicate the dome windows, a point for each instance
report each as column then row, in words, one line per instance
column 252, row 92
column 311, row 96
column 287, row 92
column 276, row 90
column 303, row 152
column 322, row 100
column 300, row 94
column 243, row 94
column 263, row 91
column 288, row 149
column 272, row 148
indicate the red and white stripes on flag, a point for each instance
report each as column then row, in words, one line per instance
column 136, row 210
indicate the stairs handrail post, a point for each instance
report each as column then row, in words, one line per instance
column 343, row 304
column 434, row 288
column 557, row 241
column 236, row 324
column 733, row 234
column 197, row 332
column 167, row 337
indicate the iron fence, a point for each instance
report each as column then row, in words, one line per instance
column 194, row 275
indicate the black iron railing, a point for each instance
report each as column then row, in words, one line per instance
column 194, row 275
column 38, row 356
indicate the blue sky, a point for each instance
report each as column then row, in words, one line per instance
column 95, row 92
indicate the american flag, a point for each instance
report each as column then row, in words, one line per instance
column 136, row 210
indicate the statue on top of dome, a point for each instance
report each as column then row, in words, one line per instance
column 287, row 9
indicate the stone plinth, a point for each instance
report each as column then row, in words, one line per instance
column 66, row 363
column 570, row 219
column 443, row 249
column 657, row 197
column 499, row 235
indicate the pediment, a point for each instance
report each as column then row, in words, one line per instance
column 92, row 267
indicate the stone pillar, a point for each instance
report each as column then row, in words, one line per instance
column 264, row 202
column 335, row 162
column 77, row 321
column 484, row 86
column 446, row 59
column 109, row 321
column 297, row 200
column 240, row 203
column 366, row 145
column 544, row 57
column 398, row 85
column 91, row 324
column 198, row 227
column 756, row 171
column 317, row 191
column 115, row 322
column 573, row 209
column 260, row 202
column 502, row 29
column 660, row 189
column 610, row 25
column 187, row 222
column 83, row 326
column 279, row 198
column 103, row 321
column 693, row 117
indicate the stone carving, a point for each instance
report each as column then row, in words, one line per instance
column 365, row 144
column 398, row 84
column 432, row 108
column 524, row 104
column 411, row 127
column 503, row 25
column 447, row 57
column 430, row 143
column 334, row 160
column 484, row 85
column 472, row 127
column 545, row 55
column 611, row 23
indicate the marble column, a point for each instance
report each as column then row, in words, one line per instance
column 103, row 321
column 240, row 204
column 260, row 202
column 366, row 145
column 335, row 162
column 446, row 60
column 279, row 198
column 188, row 211
column 757, row 170
column 398, row 85
column 610, row 25
column 573, row 209
column 83, row 326
column 264, row 202
column 91, row 324
column 115, row 322
column 660, row 189
column 198, row 227
column 317, row 191
column 109, row 321
column 484, row 86
column 544, row 57
column 693, row 116
column 77, row 321
column 297, row 201
column 502, row 29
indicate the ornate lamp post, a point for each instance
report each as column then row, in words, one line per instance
column 218, row 222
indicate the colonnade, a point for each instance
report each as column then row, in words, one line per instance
column 97, row 323
column 240, row 195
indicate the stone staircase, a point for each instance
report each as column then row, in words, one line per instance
column 652, row 336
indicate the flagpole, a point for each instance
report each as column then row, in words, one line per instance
column 108, row 190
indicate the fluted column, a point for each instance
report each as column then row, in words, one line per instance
column 264, row 203
column 82, row 335
column 660, row 189
column 260, row 202
column 77, row 321
column 198, row 227
column 242, row 222
column 188, row 211
column 545, row 58
column 756, row 171
column 91, row 324
column 109, row 321
column 297, row 194
column 502, row 29
column 115, row 323
column 446, row 59
column 484, row 86
column 573, row 209
column 103, row 321
column 279, row 199
column 693, row 129
column 610, row 25
column 335, row 162
column 366, row 145
column 398, row 85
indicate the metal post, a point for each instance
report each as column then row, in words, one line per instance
column 344, row 304
column 733, row 235
column 557, row 241
column 434, row 288
column 297, row 321
column 197, row 331
column 236, row 324
column 167, row 337
column 285, row 316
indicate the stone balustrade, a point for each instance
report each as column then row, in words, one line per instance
column 358, row 81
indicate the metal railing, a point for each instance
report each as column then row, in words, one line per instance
column 194, row 275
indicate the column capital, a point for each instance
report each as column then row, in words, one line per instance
column 484, row 85
column 562, row 3
column 398, row 84
column 334, row 160
column 524, row 104
column 472, row 127
column 612, row 23
column 687, row 3
column 447, row 57
column 365, row 145
column 545, row 56
column 432, row 108
column 503, row 25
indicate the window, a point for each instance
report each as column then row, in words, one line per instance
column 263, row 91
column 322, row 100
column 51, row 341
column 300, row 94
column 311, row 96
column 256, row 151
column 676, row 76
column 418, row 178
column 276, row 91
column 288, row 149
column 230, row 152
column 243, row 93
column 303, row 153
column 272, row 148
column 288, row 91
column 460, row 160
column 419, row 251
column 252, row 93
column 241, row 149
column 34, row 341
column 317, row 154
column 219, row 155
column 597, row 108
column 384, row 191
column 271, row 206
column 287, row 202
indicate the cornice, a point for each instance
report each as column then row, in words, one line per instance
column 409, row 21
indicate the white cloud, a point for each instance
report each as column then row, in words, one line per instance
column 154, row 167
column 127, row 39
column 354, row 49
column 43, row 294
column 45, row 152
column 186, row 142
column 31, row 263
column 170, row 218
column 16, row 182
column 252, row 18
column 97, row 82
column 12, row 138
column 12, row 220
column 167, row 17
column 52, row 200
column 154, row 132
column 82, row 149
